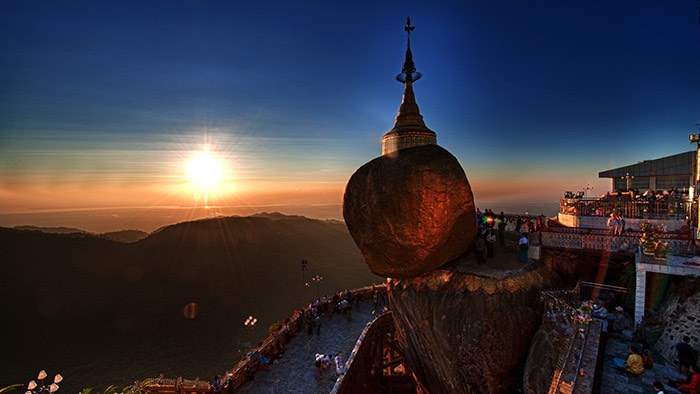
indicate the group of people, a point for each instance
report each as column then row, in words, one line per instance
column 340, row 302
column 616, row 223
column 492, row 229
column 615, row 321
column 323, row 362
column 640, row 360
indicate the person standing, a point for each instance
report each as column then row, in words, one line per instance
column 318, row 325
column 502, row 229
column 490, row 242
column 216, row 385
column 686, row 355
column 338, row 364
column 523, row 245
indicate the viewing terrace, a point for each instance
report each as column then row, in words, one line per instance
column 594, row 213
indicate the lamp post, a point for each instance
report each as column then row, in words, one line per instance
column 42, row 388
column 304, row 264
column 586, row 189
column 629, row 178
column 318, row 280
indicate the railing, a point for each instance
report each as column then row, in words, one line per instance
column 240, row 373
column 560, row 306
column 373, row 364
column 601, row 240
column 629, row 209
column 164, row 385
column 361, row 367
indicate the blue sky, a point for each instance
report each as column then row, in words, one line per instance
column 108, row 99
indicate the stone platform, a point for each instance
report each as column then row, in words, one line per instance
column 294, row 372
column 616, row 381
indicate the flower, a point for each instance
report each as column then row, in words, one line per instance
column 53, row 388
column 42, row 375
column 31, row 385
column 58, row 378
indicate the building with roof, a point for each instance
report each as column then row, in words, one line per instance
column 666, row 173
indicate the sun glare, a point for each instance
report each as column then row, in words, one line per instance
column 205, row 170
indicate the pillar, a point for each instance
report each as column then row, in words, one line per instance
column 640, row 292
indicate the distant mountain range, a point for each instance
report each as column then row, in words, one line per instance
column 120, row 236
column 101, row 311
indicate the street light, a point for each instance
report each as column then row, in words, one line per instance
column 628, row 177
column 250, row 322
column 42, row 388
column 318, row 280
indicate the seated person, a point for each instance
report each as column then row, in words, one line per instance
column 633, row 364
column 647, row 355
column 619, row 320
column 659, row 387
column 691, row 385
column 601, row 312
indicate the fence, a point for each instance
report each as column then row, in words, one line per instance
column 601, row 240
column 560, row 309
column 240, row 373
column 628, row 209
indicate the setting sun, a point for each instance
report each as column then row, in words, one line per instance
column 205, row 170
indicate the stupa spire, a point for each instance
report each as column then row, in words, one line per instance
column 408, row 71
column 409, row 129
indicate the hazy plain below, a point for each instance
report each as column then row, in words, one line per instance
column 99, row 220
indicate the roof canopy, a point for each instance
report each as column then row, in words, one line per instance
column 680, row 164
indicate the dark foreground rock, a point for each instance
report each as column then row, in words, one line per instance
column 464, row 333
column 410, row 213
column 542, row 361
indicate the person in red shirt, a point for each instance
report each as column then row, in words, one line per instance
column 692, row 387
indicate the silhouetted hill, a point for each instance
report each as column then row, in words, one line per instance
column 51, row 230
column 121, row 236
column 126, row 235
column 80, row 303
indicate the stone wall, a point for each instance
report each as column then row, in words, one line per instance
column 683, row 321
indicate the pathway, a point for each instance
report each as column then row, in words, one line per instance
column 294, row 372
column 616, row 381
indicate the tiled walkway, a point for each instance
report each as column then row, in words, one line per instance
column 294, row 372
column 616, row 381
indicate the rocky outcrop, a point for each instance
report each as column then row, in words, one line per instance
column 542, row 360
column 411, row 212
column 683, row 320
column 465, row 333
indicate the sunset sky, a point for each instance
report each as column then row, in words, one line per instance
column 107, row 104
